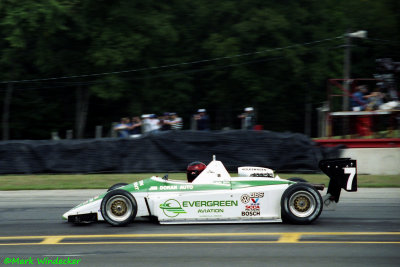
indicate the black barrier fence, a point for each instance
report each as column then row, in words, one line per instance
column 165, row 152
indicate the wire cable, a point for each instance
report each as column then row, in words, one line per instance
column 174, row 65
column 148, row 77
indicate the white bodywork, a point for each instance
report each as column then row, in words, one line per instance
column 213, row 197
column 256, row 195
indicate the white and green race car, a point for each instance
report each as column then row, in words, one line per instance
column 256, row 195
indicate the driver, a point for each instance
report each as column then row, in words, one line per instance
column 194, row 169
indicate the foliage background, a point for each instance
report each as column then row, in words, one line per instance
column 72, row 38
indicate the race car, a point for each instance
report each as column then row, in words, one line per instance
column 256, row 195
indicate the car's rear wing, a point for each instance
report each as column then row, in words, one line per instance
column 342, row 173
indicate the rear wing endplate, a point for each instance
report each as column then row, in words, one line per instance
column 342, row 173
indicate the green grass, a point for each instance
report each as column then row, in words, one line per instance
column 95, row 181
column 362, row 180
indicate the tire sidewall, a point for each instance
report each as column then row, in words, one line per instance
column 288, row 216
column 128, row 196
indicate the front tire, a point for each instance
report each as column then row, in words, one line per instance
column 116, row 186
column 301, row 204
column 118, row 207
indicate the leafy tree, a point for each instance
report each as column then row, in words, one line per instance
column 243, row 53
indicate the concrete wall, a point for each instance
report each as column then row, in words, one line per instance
column 378, row 161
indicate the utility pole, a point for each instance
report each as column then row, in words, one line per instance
column 6, row 112
column 82, row 106
column 308, row 113
column 347, row 64
column 347, row 73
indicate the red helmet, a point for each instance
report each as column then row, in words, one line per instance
column 194, row 169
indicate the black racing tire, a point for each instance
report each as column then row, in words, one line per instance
column 298, row 180
column 118, row 207
column 301, row 203
column 116, row 186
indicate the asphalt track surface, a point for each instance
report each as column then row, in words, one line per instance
column 363, row 231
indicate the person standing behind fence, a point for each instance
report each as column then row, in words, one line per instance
column 136, row 126
column 146, row 127
column 175, row 121
column 165, row 122
column 122, row 128
column 375, row 99
column 358, row 99
column 248, row 118
column 154, row 124
column 202, row 120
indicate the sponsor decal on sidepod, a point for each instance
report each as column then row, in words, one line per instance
column 173, row 208
column 252, row 208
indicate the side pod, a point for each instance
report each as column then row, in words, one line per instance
column 342, row 173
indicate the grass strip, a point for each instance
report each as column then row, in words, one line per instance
column 100, row 181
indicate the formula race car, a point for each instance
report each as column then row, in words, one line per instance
column 255, row 196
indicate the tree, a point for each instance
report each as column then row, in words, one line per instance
column 152, row 57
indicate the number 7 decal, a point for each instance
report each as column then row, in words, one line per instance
column 352, row 172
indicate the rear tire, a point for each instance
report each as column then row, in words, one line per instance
column 301, row 204
column 298, row 180
column 118, row 207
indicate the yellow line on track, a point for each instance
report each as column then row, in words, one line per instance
column 289, row 238
column 201, row 234
column 201, row 242
column 51, row 240
column 282, row 238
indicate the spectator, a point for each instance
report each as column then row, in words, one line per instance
column 165, row 122
column 122, row 128
column 358, row 99
column 136, row 126
column 154, row 124
column 175, row 121
column 202, row 120
column 146, row 125
column 375, row 99
column 248, row 119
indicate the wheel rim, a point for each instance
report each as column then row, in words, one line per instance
column 119, row 208
column 302, row 204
